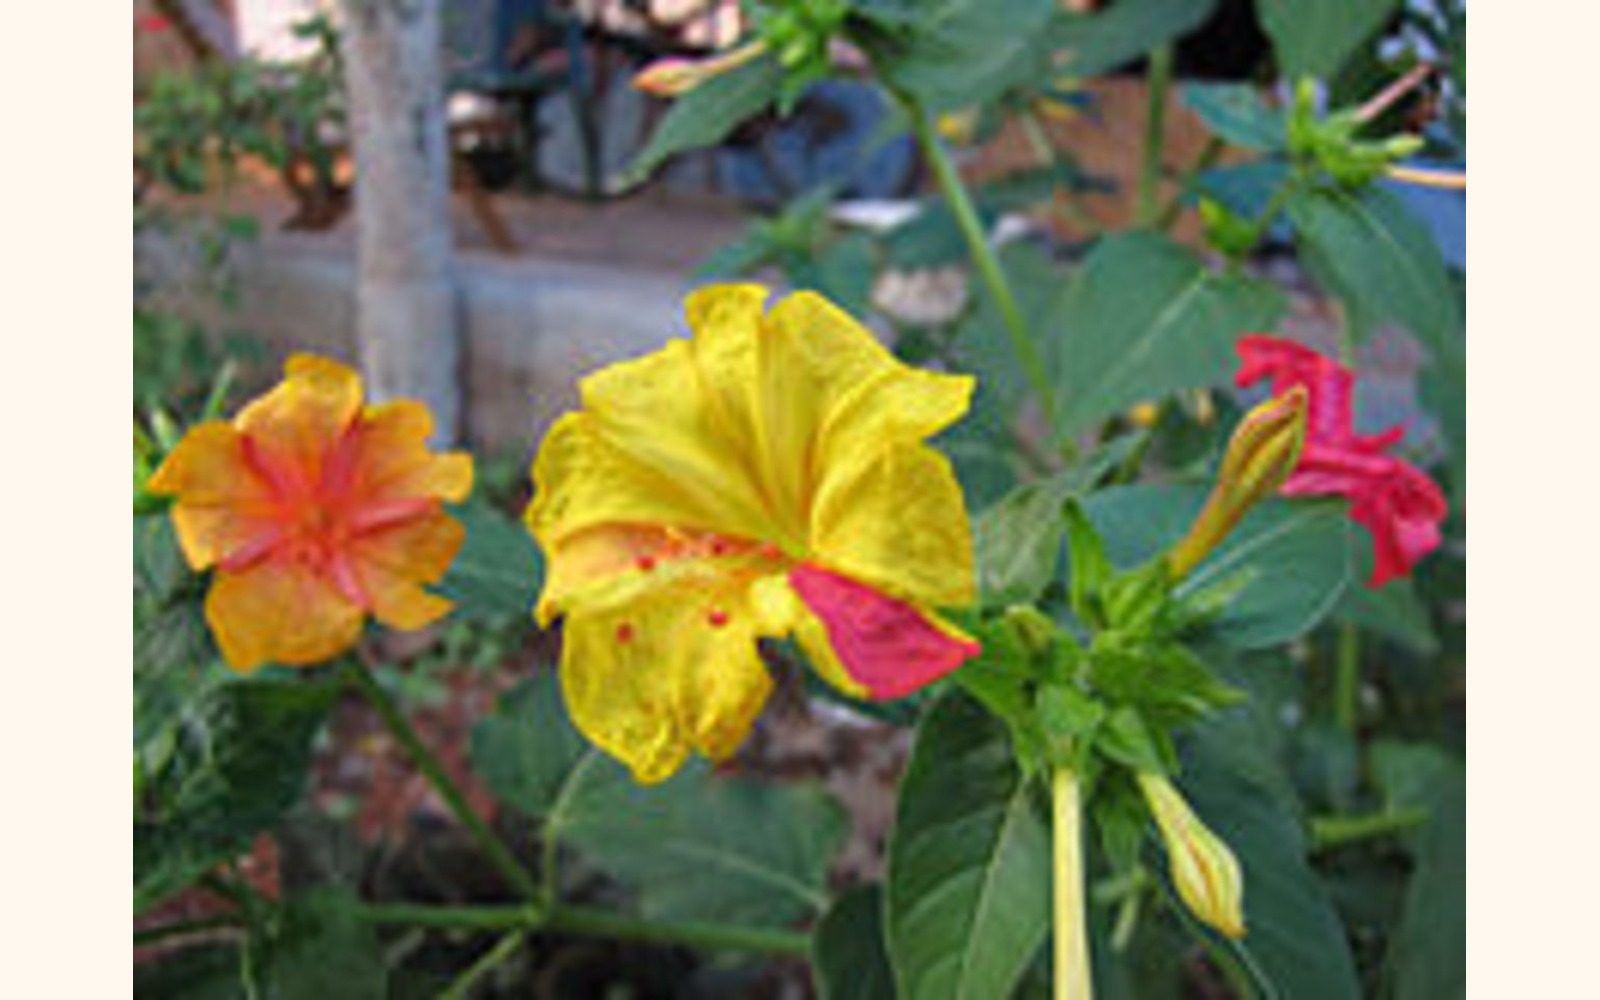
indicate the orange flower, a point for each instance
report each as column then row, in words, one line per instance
column 315, row 510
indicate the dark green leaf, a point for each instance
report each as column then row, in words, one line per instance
column 1295, row 947
column 1380, row 258
column 498, row 572
column 1428, row 955
column 968, row 884
column 1394, row 612
column 1236, row 113
column 324, row 949
column 955, row 53
column 239, row 762
column 848, row 960
column 1314, row 37
column 1288, row 559
column 526, row 751
column 1124, row 31
column 705, row 115
column 1143, row 318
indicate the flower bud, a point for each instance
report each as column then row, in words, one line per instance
column 1261, row 455
column 1201, row 866
column 675, row 76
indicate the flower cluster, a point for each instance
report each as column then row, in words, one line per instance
column 1394, row 500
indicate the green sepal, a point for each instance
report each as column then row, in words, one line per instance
column 1090, row 568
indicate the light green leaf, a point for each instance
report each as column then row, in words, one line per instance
column 968, row 884
column 1124, row 31
column 1295, row 946
column 498, row 572
column 1381, row 258
column 705, row 115
column 1315, row 37
column 1143, row 318
column 847, row 957
column 1293, row 556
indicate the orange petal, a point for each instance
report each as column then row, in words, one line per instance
column 282, row 613
column 299, row 420
column 392, row 456
column 223, row 505
column 391, row 565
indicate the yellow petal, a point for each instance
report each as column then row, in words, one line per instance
column 306, row 412
column 899, row 524
column 392, row 564
column 222, row 503
column 281, row 613
column 394, row 460
column 672, row 670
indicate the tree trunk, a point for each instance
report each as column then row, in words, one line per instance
column 407, row 298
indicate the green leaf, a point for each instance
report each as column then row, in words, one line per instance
column 324, row 949
column 1124, row 31
column 1428, row 954
column 1293, row 556
column 952, row 54
column 527, row 750
column 968, row 884
column 706, row 847
column 498, row 572
column 1295, row 946
column 1236, row 113
column 197, row 972
column 1143, row 318
column 1394, row 612
column 848, row 961
column 1380, row 258
column 705, row 115
column 240, row 760
column 1315, row 37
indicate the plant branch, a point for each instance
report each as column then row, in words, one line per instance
column 462, row 986
column 1336, row 831
column 1347, row 680
column 1159, row 81
column 143, row 936
column 362, row 679
column 1073, row 979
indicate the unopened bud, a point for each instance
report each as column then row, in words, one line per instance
column 1261, row 455
column 1201, row 866
column 675, row 76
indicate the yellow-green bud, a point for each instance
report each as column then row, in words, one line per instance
column 675, row 76
column 1201, row 866
column 1261, row 455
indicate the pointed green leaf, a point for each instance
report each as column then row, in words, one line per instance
column 498, row 572
column 848, row 959
column 1124, row 31
column 1314, row 37
column 968, row 883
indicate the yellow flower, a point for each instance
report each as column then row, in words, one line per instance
column 314, row 510
column 1201, row 866
column 766, row 477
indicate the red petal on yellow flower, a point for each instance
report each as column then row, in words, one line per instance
column 391, row 565
column 295, row 424
column 279, row 612
column 887, row 647
column 222, row 505
column 392, row 457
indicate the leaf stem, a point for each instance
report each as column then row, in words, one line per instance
column 1159, row 81
column 1336, row 831
column 462, row 986
column 1347, row 680
column 144, row 936
column 1073, row 977
column 362, row 679
column 983, row 255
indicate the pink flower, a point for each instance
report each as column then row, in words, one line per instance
column 1394, row 500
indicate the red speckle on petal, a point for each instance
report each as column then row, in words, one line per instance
column 646, row 563
column 719, row 547
column 624, row 633
column 717, row 617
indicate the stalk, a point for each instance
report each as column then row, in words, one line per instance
column 1159, row 77
column 1074, row 979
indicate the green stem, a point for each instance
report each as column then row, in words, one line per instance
column 1207, row 159
column 462, row 987
column 585, row 922
column 430, row 767
column 143, row 936
column 1074, row 980
column 1159, row 80
column 1347, row 680
column 983, row 255
column 1336, row 831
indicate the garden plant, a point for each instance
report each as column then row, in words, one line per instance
column 1168, row 593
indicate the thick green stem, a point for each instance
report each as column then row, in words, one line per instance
column 1336, row 831
column 462, row 987
column 1347, row 680
column 983, row 256
column 1074, row 979
column 1159, row 81
column 431, row 769
column 585, row 922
